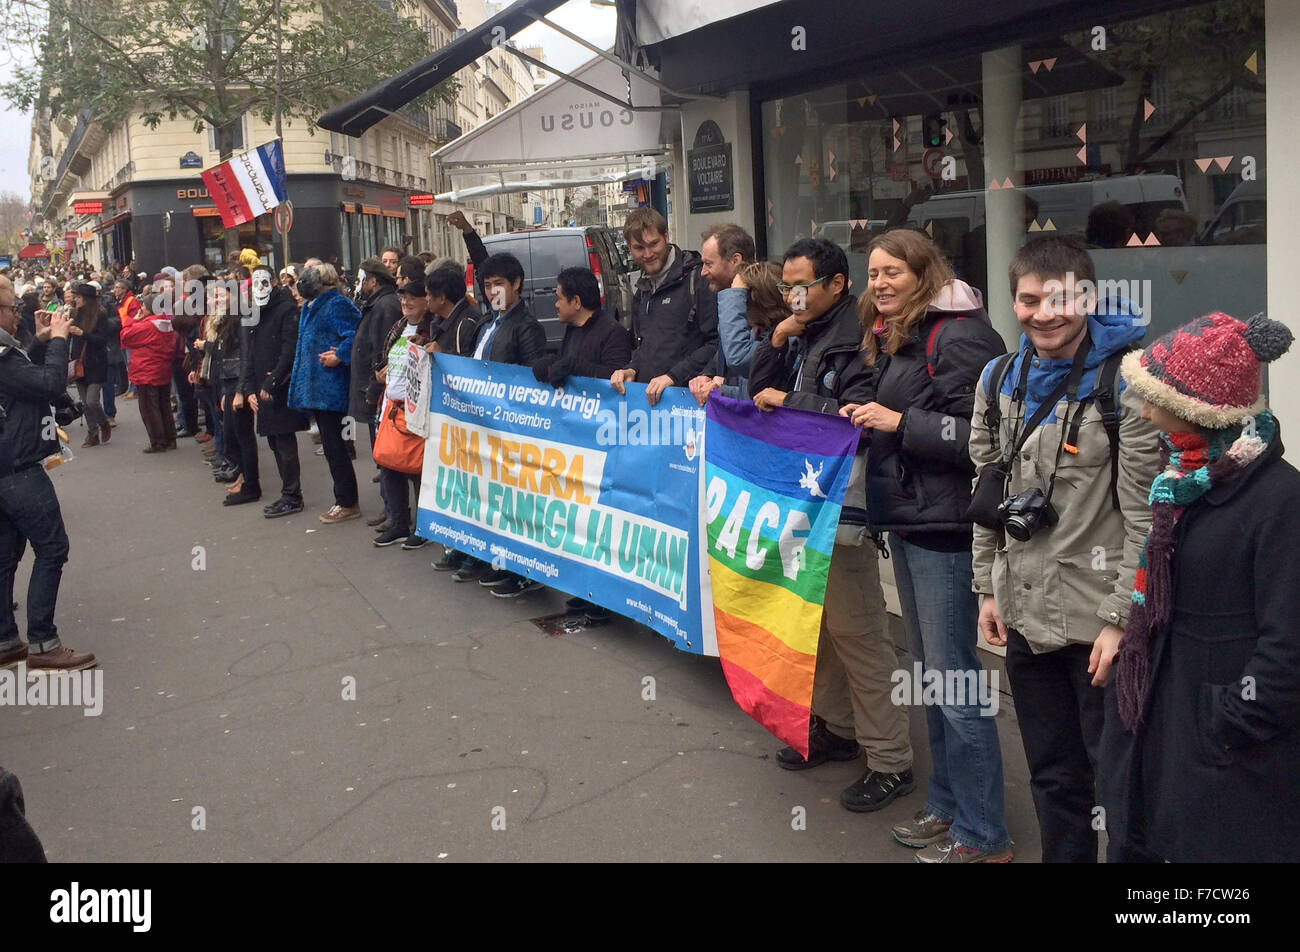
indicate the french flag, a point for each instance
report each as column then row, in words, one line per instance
column 248, row 184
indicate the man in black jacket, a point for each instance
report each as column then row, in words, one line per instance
column 29, row 507
column 454, row 319
column 675, row 312
column 380, row 310
column 812, row 362
column 594, row 345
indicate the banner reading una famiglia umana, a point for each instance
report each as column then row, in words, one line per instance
column 588, row 491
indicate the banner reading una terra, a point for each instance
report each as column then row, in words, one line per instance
column 589, row 492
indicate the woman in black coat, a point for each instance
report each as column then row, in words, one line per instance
column 90, row 346
column 273, row 342
column 1201, row 749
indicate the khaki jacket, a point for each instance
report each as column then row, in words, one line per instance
column 1070, row 580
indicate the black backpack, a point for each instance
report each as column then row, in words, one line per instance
column 1105, row 393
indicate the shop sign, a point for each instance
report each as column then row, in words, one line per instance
column 710, row 171
column 87, row 208
column 421, row 198
column 189, row 193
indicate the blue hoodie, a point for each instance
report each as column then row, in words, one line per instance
column 1116, row 324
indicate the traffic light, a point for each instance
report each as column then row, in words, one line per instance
column 932, row 130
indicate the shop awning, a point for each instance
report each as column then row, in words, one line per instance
column 562, row 136
column 658, row 20
column 105, row 225
column 355, row 117
column 34, row 250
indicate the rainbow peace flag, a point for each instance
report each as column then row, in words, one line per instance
column 774, row 485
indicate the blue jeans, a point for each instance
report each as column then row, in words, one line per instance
column 109, row 395
column 941, row 615
column 29, row 512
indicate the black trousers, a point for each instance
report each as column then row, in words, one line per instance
column 284, row 447
column 1061, row 716
column 330, row 424
column 397, row 496
column 185, row 398
column 241, row 442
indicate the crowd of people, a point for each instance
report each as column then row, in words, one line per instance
column 1114, row 511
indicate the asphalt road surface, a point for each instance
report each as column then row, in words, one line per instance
column 227, row 642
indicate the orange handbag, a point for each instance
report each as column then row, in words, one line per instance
column 396, row 447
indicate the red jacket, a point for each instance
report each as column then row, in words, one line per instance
column 152, row 343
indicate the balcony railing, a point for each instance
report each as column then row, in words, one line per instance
column 418, row 116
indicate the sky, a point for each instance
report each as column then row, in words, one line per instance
column 592, row 22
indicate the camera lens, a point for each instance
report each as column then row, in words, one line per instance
column 1018, row 528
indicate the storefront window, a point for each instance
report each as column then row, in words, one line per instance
column 1143, row 137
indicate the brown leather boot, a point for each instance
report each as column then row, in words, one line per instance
column 61, row 659
column 105, row 431
column 92, row 438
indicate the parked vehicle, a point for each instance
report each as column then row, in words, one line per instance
column 1242, row 219
column 545, row 252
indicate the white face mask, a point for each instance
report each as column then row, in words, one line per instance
column 261, row 287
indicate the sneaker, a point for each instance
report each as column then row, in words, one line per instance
column 451, row 560
column 949, row 850
column 320, row 451
column 60, row 659
column 13, row 655
column 224, row 474
column 391, row 537
column 378, row 520
column 514, row 586
column 285, row 507
column 494, row 577
column 413, row 541
column 875, row 790
column 822, row 746
column 203, row 438
column 340, row 514
column 469, row 570
column 923, row 829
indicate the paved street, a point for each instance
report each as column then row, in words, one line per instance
column 223, row 690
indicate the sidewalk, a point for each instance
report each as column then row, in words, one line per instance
column 224, row 690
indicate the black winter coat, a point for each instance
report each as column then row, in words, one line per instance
column 379, row 313
column 272, row 344
column 596, row 349
column 92, row 349
column 28, row 385
column 1213, row 773
column 666, row 338
column 454, row 334
column 919, row 478
column 519, row 339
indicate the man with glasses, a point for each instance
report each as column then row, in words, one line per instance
column 29, row 508
column 812, row 361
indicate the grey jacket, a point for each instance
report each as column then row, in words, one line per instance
column 1067, row 582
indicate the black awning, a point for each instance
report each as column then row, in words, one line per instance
column 355, row 117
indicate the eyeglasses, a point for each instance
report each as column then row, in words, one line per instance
column 787, row 288
column 10, row 307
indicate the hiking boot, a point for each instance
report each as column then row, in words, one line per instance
column 494, row 577
column 949, row 850
column 514, row 586
column 340, row 514
column 13, row 655
column 822, row 746
column 451, row 560
column 391, row 537
column 285, row 507
column 922, row 829
column 875, row 790
column 413, row 541
column 60, row 659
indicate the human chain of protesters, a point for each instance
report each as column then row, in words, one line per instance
column 1117, row 516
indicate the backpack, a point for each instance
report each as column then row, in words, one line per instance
column 1105, row 393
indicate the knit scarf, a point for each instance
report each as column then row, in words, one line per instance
column 1192, row 466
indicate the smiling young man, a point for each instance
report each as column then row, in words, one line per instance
column 812, row 361
column 1058, row 596
column 675, row 312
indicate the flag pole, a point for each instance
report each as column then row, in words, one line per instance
column 279, row 46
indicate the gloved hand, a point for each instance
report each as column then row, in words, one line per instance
column 542, row 369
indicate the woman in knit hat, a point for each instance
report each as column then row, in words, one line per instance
column 1201, row 750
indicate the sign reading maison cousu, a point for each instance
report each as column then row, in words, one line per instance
column 588, row 492
column 710, row 172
